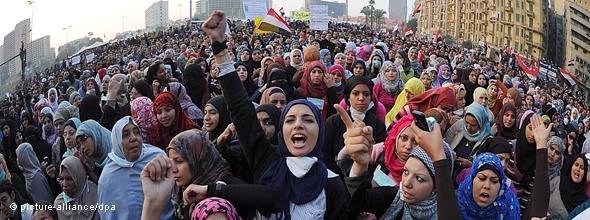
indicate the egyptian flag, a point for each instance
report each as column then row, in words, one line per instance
column 532, row 72
column 417, row 10
column 408, row 32
column 275, row 23
column 571, row 79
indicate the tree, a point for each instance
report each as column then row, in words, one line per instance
column 413, row 24
column 379, row 16
column 449, row 40
column 367, row 12
column 372, row 16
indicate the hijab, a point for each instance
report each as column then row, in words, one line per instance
column 339, row 87
column 218, row 103
column 573, row 194
column 406, row 63
column 525, row 151
column 555, row 168
column 144, row 89
column 362, row 63
column 249, row 83
column 515, row 94
column 440, row 79
column 51, row 136
column 90, row 108
column 350, row 85
column 425, row 209
column 506, row 205
column 196, row 84
column 79, row 176
column 280, row 177
column 214, row 205
column 265, row 98
column 36, row 183
column 296, row 65
column 478, row 93
column 55, row 103
column 495, row 145
column 309, row 90
column 442, row 97
column 274, row 114
column 186, row 103
column 508, row 133
column 73, row 97
column 142, row 113
column 100, row 136
column 414, row 86
column 479, row 112
column 392, row 162
column 284, row 82
column 162, row 135
column 392, row 87
column 74, row 123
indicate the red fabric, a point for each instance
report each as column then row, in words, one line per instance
column 392, row 163
column 101, row 73
column 310, row 90
column 440, row 97
column 162, row 136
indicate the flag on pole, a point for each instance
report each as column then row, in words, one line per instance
column 571, row 79
column 408, row 32
column 275, row 23
column 396, row 28
column 532, row 72
column 417, row 9
column 257, row 22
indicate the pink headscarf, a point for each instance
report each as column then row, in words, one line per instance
column 142, row 113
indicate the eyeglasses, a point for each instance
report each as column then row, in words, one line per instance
column 267, row 122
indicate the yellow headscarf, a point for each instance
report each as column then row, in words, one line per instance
column 415, row 86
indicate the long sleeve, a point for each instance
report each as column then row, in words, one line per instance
column 256, row 148
column 540, row 197
column 367, row 199
column 448, row 208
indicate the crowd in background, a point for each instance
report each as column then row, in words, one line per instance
column 317, row 124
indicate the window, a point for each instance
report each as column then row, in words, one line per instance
column 530, row 22
column 509, row 30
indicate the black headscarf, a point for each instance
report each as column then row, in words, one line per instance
column 41, row 147
column 90, row 108
column 224, row 118
column 360, row 62
column 144, row 89
column 573, row 194
column 525, row 151
column 495, row 145
column 274, row 114
column 406, row 61
column 354, row 81
column 248, row 83
column 508, row 133
column 280, row 74
column 195, row 82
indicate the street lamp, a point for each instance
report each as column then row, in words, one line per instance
column 66, row 29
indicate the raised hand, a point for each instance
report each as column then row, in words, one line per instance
column 358, row 142
column 215, row 26
column 540, row 132
column 157, row 181
column 329, row 80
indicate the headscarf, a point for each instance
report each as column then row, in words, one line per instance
column 288, row 187
column 370, row 66
column 224, row 118
column 478, row 93
column 100, row 136
column 339, row 88
column 73, row 97
column 55, row 103
column 285, row 83
column 440, row 79
column 79, row 176
column 525, row 151
column 85, row 191
column 392, row 162
column 394, row 87
column 90, row 108
column 162, row 135
column 323, row 53
column 36, row 183
column 516, row 96
column 296, row 65
column 555, row 168
column 142, row 87
column 193, row 112
column 350, row 85
column 495, row 145
column 506, row 205
column 362, row 63
column 249, row 83
column 214, row 205
column 274, row 114
column 573, row 194
column 196, row 84
column 415, row 86
column 310, row 90
column 508, row 133
column 74, row 123
column 492, row 100
column 480, row 114
column 425, row 209
column 142, row 113
column 265, row 98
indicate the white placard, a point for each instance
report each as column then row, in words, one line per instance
column 254, row 8
column 90, row 57
column 76, row 60
column 319, row 19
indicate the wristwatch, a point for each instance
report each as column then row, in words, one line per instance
column 218, row 186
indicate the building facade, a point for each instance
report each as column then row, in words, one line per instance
column 517, row 24
column 577, row 39
column 156, row 15
column 12, row 45
column 335, row 9
column 398, row 9
column 41, row 54
column 232, row 8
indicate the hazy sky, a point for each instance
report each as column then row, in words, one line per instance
column 105, row 17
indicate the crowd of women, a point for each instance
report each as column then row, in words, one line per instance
column 191, row 123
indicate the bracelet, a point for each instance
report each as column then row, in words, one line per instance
column 217, row 47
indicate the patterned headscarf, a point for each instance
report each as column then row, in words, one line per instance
column 185, row 101
column 141, row 112
column 214, row 205
column 392, row 87
column 555, row 168
column 506, row 205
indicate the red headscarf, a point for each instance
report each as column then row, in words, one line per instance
column 310, row 90
column 392, row 162
column 439, row 97
column 162, row 135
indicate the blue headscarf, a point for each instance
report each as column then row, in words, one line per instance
column 480, row 114
column 100, row 136
column 506, row 205
column 288, row 187
column 323, row 53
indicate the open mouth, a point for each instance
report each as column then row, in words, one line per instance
column 576, row 174
column 298, row 140
column 407, row 194
column 484, row 196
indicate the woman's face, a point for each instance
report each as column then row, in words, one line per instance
column 180, row 169
column 70, row 137
column 67, row 182
column 105, row 83
column 341, row 60
column 6, row 131
column 391, row 74
column 404, row 144
column 77, row 101
column 89, row 86
column 350, row 57
column 508, row 99
column 266, row 123
column 577, row 173
column 529, row 133
column 19, row 138
column 297, row 57
column 242, row 73
column 166, row 116
column 413, row 54
column 134, row 94
column 161, row 74
column 52, row 96
column 481, row 80
column 316, row 75
column 483, row 99
column 211, row 119
column 358, row 70
column 486, row 186
column 417, row 184
column 409, row 95
column 530, row 100
column 461, row 98
column 425, row 78
column 300, row 130
column 508, row 119
column 493, row 91
column 132, row 142
column 245, row 56
column 360, row 97
column 48, row 125
column 471, row 124
column 279, row 100
column 504, row 158
column 473, row 76
column 59, row 127
column 553, row 154
column 86, row 144
column 337, row 76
